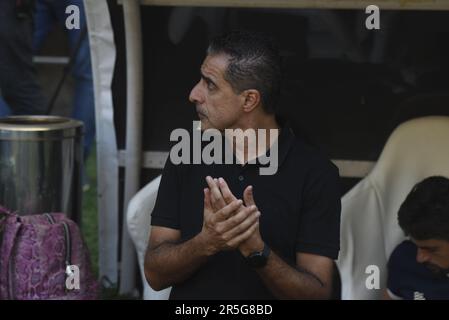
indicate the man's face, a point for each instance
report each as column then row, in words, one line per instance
column 216, row 103
column 434, row 254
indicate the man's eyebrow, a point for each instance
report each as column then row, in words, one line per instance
column 207, row 79
column 428, row 248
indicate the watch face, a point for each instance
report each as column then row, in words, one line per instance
column 257, row 260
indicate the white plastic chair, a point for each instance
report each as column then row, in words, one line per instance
column 139, row 223
column 417, row 149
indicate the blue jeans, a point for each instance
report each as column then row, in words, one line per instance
column 19, row 88
column 4, row 108
column 48, row 13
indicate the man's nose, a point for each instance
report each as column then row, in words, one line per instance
column 422, row 256
column 195, row 94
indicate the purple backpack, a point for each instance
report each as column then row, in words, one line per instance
column 39, row 254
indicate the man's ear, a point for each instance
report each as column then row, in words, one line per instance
column 252, row 99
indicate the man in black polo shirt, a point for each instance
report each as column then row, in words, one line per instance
column 225, row 231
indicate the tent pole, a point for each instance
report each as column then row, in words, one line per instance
column 134, row 116
column 103, row 55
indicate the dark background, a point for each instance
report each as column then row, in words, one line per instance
column 337, row 92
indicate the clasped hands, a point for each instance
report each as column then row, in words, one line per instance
column 230, row 223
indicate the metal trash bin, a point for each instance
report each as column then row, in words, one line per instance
column 41, row 161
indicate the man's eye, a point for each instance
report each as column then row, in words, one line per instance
column 211, row 86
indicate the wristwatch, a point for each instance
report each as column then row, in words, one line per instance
column 258, row 259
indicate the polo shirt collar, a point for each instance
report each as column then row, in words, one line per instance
column 284, row 140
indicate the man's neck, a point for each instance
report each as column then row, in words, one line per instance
column 266, row 131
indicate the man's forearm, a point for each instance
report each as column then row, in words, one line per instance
column 171, row 263
column 287, row 282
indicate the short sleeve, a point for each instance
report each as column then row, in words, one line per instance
column 393, row 276
column 166, row 209
column 401, row 258
column 319, row 223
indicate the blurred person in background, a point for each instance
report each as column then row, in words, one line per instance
column 418, row 269
column 48, row 14
column 20, row 93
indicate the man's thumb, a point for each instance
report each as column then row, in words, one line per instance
column 248, row 196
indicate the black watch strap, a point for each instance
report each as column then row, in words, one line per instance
column 260, row 258
column 266, row 251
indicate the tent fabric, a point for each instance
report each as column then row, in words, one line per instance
column 139, row 223
column 103, row 55
column 417, row 149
